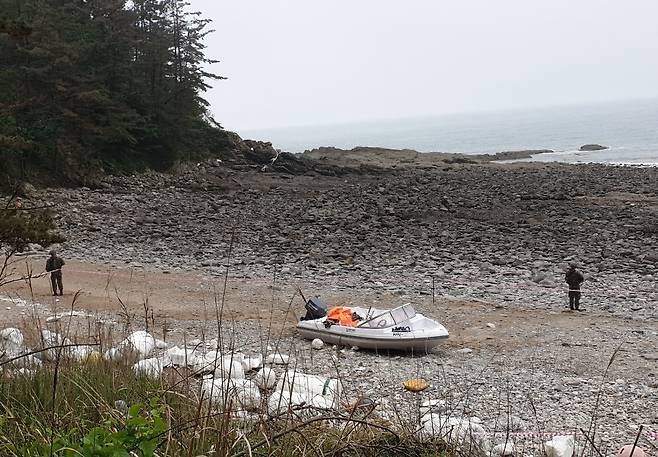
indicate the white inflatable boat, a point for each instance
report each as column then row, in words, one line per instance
column 400, row 328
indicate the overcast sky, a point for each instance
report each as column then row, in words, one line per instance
column 298, row 62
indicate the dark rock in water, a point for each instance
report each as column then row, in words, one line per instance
column 514, row 155
column 592, row 147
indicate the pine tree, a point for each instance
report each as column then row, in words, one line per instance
column 100, row 84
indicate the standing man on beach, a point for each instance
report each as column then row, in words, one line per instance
column 574, row 279
column 54, row 266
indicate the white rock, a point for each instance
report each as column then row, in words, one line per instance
column 278, row 359
column 560, row 446
column 317, row 344
column 491, row 325
column 265, row 378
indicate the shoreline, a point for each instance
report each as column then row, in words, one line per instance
column 490, row 240
column 530, row 156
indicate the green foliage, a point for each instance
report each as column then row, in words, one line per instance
column 19, row 228
column 140, row 434
column 100, row 85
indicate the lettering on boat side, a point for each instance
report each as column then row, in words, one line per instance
column 401, row 329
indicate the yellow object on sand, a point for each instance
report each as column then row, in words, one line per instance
column 94, row 357
column 415, row 385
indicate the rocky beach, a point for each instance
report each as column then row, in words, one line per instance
column 478, row 245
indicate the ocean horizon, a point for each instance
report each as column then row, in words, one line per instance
column 629, row 129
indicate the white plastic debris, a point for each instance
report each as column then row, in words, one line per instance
column 235, row 394
column 504, row 449
column 229, row 369
column 431, row 406
column 278, row 359
column 265, row 378
column 11, row 342
column 317, row 344
column 112, row 354
column 246, row 393
column 159, row 344
column 194, row 343
column 253, row 362
column 80, row 353
column 55, row 339
column 58, row 316
column 560, row 446
column 26, row 372
column 183, row 357
column 29, row 361
column 311, row 386
column 281, row 401
column 149, row 367
column 138, row 345
column 140, row 342
column 464, row 433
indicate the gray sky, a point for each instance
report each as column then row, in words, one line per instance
column 296, row 62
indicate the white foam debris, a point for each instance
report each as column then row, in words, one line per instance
column 265, row 378
column 11, row 342
column 278, row 359
column 151, row 367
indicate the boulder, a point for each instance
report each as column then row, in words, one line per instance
column 592, row 147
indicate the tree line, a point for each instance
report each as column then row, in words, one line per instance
column 90, row 86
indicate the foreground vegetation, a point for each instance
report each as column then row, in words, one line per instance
column 99, row 408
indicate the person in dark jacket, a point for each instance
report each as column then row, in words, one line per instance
column 54, row 265
column 574, row 278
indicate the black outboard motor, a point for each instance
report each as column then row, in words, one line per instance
column 315, row 309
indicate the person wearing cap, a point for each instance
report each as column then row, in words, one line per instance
column 54, row 266
column 574, row 279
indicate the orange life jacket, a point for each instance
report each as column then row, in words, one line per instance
column 342, row 315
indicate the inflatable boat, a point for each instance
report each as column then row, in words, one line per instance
column 401, row 328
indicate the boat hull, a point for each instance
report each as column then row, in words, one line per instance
column 402, row 342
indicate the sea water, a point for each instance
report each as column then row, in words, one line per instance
column 629, row 129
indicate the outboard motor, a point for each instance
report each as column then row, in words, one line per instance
column 315, row 309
